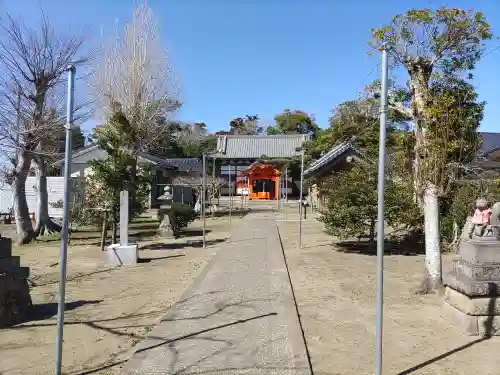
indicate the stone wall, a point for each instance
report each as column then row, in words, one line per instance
column 15, row 299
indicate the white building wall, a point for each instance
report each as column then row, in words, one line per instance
column 55, row 187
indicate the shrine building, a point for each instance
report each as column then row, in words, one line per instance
column 257, row 164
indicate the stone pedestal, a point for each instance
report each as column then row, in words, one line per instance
column 121, row 255
column 15, row 299
column 124, row 253
column 473, row 287
column 165, row 229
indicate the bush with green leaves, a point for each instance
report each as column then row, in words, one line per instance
column 180, row 216
column 351, row 207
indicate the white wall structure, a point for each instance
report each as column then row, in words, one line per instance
column 55, row 187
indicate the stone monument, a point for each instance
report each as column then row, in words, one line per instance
column 165, row 228
column 15, row 299
column 473, row 286
column 123, row 253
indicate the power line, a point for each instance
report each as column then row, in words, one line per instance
column 491, row 51
column 364, row 79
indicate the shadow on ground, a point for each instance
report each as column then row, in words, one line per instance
column 390, row 248
column 45, row 311
column 163, row 341
column 152, row 259
column 192, row 233
column 176, row 246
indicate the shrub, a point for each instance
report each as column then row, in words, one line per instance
column 351, row 207
column 180, row 216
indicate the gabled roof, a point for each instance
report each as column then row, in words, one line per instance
column 93, row 152
column 331, row 158
column 257, row 146
column 491, row 142
column 261, row 166
column 186, row 164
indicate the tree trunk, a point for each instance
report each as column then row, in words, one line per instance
column 44, row 225
column 113, row 231
column 132, row 189
column 104, row 232
column 24, row 227
column 371, row 239
column 420, row 72
column 432, row 242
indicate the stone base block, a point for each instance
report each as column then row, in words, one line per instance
column 122, row 255
column 472, row 305
column 480, row 251
column 15, row 300
column 14, row 261
column 18, row 273
column 473, row 325
column 478, row 271
column 5, row 247
column 470, row 287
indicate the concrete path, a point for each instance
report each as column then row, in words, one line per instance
column 238, row 317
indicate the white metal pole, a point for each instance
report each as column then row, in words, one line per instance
column 286, row 184
column 380, row 214
column 300, row 198
column 279, row 192
column 65, row 224
column 203, row 186
column 230, row 195
column 248, row 192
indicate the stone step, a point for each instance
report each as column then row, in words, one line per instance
column 5, row 247
column 479, row 306
column 478, row 271
column 473, row 325
column 15, row 272
column 472, row 288
column 13, row 261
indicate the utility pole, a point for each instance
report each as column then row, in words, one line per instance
column 286, row 184
column 64, row 232
column 212, row 193
column 380, row 213
column 230, row 195
column 203, row 185
column 301, row 192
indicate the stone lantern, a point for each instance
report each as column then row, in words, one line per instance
column 165, row 229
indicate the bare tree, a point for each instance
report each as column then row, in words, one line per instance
column 32, row 63
column 213, row 185
column 134, row 75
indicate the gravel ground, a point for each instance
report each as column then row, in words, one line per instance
column 336, row 297
column 109, row 309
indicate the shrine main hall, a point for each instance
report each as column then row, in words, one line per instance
column 258, row 165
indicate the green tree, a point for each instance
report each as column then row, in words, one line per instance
column 113, row 174
column 185, row 141
column 293, row 122
column 356, row 121
column 351, row 207
column 248, row 125
column 430, row 44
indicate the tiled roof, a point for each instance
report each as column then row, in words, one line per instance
column 257, row 146
column 92, row 152
column 491, row 142
column 186, row 164
column 156, row 160
column 329, row 157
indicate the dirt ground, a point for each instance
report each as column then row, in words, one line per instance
column 108, row 309
column 336, row 297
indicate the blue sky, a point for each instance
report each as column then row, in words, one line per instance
column 238, row 57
